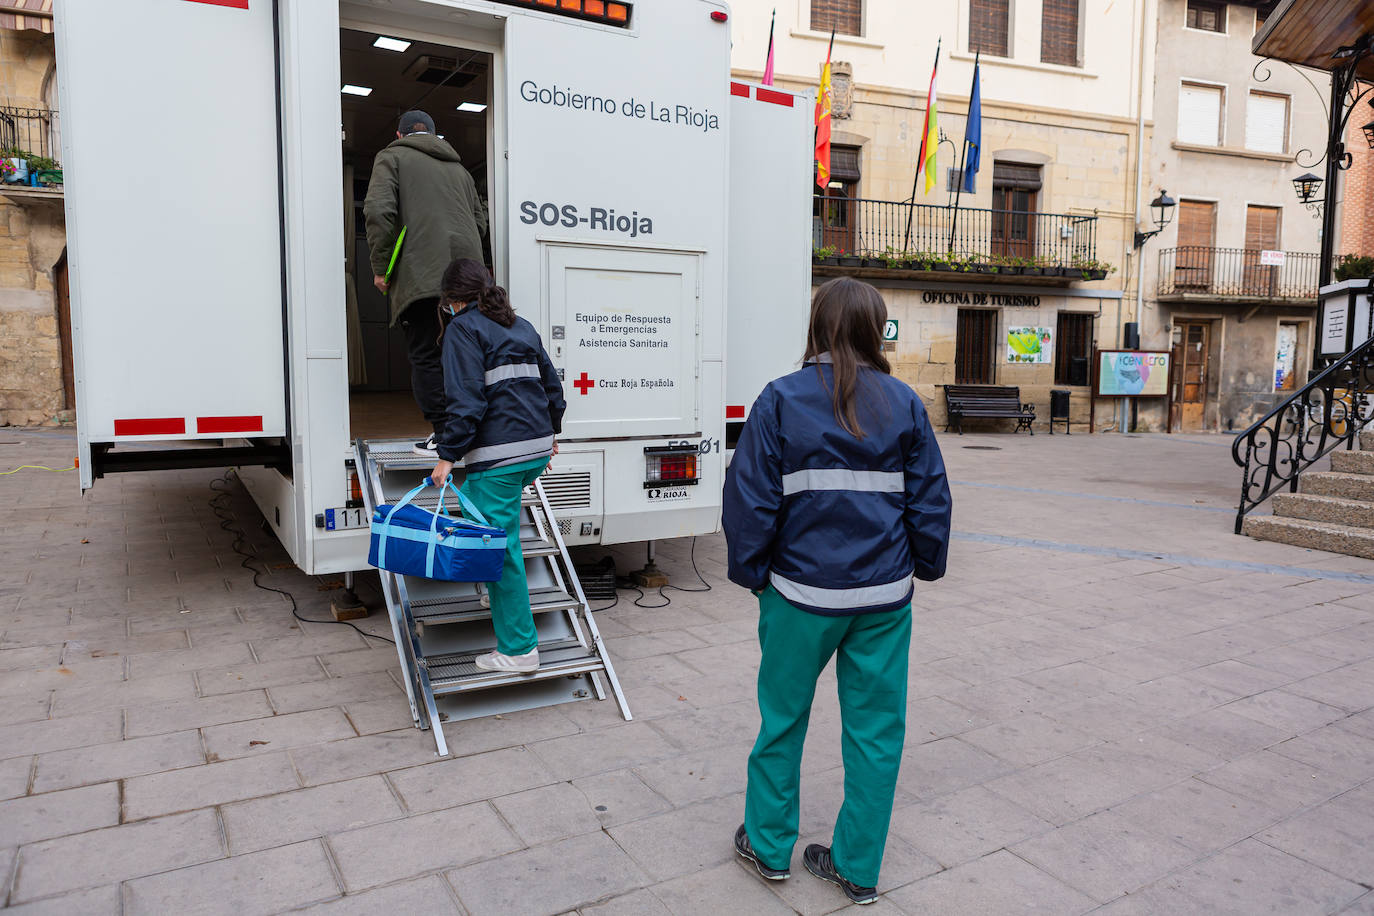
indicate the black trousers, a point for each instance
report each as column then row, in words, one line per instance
column 424, row 338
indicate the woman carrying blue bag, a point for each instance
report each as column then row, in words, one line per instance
column 505, row 405
column 835, row 499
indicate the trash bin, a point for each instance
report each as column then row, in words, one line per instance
column 1059, row 409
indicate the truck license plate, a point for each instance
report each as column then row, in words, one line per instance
column 336, row 519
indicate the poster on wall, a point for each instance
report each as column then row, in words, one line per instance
column 1133, row 374
column 1030, row 345
column 1285, row 358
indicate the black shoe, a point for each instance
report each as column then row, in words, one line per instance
column 817, row 860
column 746, row 851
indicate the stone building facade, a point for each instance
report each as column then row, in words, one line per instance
column 1065, row 98
column 34, row 344
column 1230, row 138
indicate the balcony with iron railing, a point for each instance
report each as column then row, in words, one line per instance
column 898, row 231
column 30, row 147
column 1247, row 275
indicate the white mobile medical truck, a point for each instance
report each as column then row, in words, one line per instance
column 648, row 216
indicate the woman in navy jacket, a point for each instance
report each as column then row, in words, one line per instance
column 505, row 405
column 836, row 497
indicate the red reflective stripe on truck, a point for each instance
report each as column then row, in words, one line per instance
column 159, row 426
column 228, row 424
column 739, row 89
column 234, row 4
column 734, row 413
column 772, row 95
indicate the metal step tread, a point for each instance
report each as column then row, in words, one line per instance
column 457, row 672
column 469, row 607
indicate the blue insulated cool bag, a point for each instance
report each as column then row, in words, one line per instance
column 411, row 541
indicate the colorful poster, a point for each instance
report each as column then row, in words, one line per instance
column 1133, row 374
column 1285, row 359
column 1030, row 345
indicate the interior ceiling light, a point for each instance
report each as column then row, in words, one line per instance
column 390, row 44
column 472, row 106
column 350, row 89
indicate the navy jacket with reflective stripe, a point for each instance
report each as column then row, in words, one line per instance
column 837, row 524
column 505, row 402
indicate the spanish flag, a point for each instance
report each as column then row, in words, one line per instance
column 930, row 139
column 823, row 122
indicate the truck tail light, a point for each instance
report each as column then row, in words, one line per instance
column 355, row 488
column 671, row 465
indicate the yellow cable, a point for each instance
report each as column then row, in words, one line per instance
column 36, row 467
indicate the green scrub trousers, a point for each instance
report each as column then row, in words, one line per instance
column 496, row 493
column 872, row 653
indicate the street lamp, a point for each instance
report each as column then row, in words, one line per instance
column 1163, row 209
column 1307, row 186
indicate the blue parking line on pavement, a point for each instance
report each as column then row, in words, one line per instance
column 1175, row 558
column 1114, row 499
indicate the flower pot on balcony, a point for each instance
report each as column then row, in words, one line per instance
column 850, row 260
column 1032, row 271
column 18, row 173
column 1054, row 271
column 873, row 262
column 1097, row 275
column 914, row 264
column 825, row 262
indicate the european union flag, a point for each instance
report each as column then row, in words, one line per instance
column 973, row 132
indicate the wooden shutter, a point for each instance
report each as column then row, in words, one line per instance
column 1199, row 114
column 1197, row 228
column 973, row 346
column 1059, row 33
column 1266, row 123
column 844, row 16
column 1073, row 341
column 1262, row 228
column 989, row 28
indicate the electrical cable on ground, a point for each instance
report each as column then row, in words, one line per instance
column 627, row 585
column 36, row 467
column 228, row 521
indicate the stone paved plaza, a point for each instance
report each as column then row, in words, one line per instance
column 1116, row 706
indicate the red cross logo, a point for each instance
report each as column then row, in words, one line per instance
column 584, row 383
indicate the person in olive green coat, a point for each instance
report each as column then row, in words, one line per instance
column 420, row 185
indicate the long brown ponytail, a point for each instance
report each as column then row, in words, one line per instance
column 467, row 280
column 847, row 318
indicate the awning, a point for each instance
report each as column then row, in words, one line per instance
column 1309, row 32
column 26, row 14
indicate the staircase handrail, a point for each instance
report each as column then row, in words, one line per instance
column 1302, row 430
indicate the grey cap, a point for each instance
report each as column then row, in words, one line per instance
column 413, row 121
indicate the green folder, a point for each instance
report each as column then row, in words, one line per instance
column 395, row 255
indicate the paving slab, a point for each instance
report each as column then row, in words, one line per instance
column 97, row 901
column 723, row 889
column 260, row 883
column 1334, row 835
column 269, row 735
column 55, row 814
column 204, row 786
column 449, row 783
column 423, row 843
column 538, row 880
column 965, row 825
column 423, row 895
column 116, row 854
column 117, row 760
column 276, row 820
column 1252, row 877
column 1000, row 883
column 548, row 813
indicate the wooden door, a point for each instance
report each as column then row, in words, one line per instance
column 1013, row 222
column 64, row 332
column 1261, row 234
column 1196, row 346
column 837, row 219
column 1197, row 228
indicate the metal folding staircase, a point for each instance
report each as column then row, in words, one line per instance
column 440, row 627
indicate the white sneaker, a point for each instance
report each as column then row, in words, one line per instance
column 510, row 664
column 426, row 449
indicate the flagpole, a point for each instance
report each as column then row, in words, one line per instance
column 768, row 64
column 916, row 179
column 963, row 152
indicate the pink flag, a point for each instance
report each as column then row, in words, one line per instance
column 768, row 67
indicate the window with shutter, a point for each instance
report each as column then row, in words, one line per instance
column 1207, row 15
column 1266, row 123
column 1197, row 229
column 1261, row 234
column 989, row 27
column 844, row 16
column 1199, row 114
column 1073, row 348
column 1059, row 33
column 974, row 333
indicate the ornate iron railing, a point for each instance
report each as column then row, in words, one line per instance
column 31, row 130
column 1197, row 270
column 873, row 227
column 1326, row 413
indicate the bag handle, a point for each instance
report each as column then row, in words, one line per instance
column 386, row 522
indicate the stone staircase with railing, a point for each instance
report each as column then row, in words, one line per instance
column 1332, row 510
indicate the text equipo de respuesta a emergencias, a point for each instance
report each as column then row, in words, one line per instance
column 619, row 330
column 642, row 109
